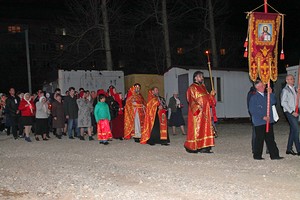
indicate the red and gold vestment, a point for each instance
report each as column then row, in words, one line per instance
column 200, row 132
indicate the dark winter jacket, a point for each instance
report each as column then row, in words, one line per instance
column 58, row 113
column 71, row 107
column 12, row 105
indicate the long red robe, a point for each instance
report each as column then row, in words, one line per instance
column 200, row 131
column 117, row 127
column 151, row 109
column 134, row 102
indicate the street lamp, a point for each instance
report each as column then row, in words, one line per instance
column 28, row 61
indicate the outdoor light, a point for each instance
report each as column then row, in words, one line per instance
column 180, row 50
column 222, row 52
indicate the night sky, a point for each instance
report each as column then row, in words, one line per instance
column 236, row 21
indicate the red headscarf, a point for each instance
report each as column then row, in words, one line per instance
column 81, row 94
column 101, row 91
column 130, row 92
column 117, row 98
column 111, row 91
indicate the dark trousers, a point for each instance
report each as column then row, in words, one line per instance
column 253, row 138
column 260, row 137
column 94, row 123
column 14, row 125
column 294, row 132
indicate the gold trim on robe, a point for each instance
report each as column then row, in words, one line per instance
column 135, row 102
column 151, row 110
column 200, row 132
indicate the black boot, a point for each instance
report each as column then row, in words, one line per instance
column 81, row 137
column 91, row 138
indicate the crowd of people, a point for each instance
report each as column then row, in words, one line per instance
column 105, row 114
column 83, row 114
column 108, row 115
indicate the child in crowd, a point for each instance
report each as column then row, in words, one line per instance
column 102, row 116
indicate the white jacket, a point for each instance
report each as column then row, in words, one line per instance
column 288, row 99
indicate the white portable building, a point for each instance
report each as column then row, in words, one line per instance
column 231, row 87
column 294, row 71
column 89, row 80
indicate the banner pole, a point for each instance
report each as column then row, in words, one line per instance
column 268, row 98
column 268, row 109
column 266, row 6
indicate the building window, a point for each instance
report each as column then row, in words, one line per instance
column 45, row 47
column 33, row 63
column 32, row 47
column 59, row 47
column 121, row 49
column 179, row 50
column 14, row 29
column 45, row 29
column 60, row 31
column 45, row 63
column 93, row 64
column 222, row 52
column 20, row 45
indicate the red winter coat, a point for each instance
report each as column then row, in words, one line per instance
column 27, row 109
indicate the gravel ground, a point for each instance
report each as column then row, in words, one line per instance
column 74, row 169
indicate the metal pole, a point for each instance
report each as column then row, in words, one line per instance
column 28, row 62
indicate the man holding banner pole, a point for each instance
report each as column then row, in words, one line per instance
column 258, row 110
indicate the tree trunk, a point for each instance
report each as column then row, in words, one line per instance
column 109, row 64
column 166, row 34
column 212, row 35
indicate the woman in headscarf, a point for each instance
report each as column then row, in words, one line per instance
column 58, row 115
column 118, row 121
column 27, row 109
column 41, row 118
column 85, row 108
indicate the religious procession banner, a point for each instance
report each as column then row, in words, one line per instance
column 262, row 47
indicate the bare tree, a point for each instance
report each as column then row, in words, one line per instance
column 156, row 11
column 87, row 40
column 166, row 32
column 205, row 13
column 212, row 33
column 109, row 63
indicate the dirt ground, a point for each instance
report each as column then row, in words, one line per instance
column 74, row 169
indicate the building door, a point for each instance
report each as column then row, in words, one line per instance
column 183, row 84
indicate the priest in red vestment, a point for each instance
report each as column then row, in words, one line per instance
column 134, row 114
column 155, row 126
column 200, row 135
